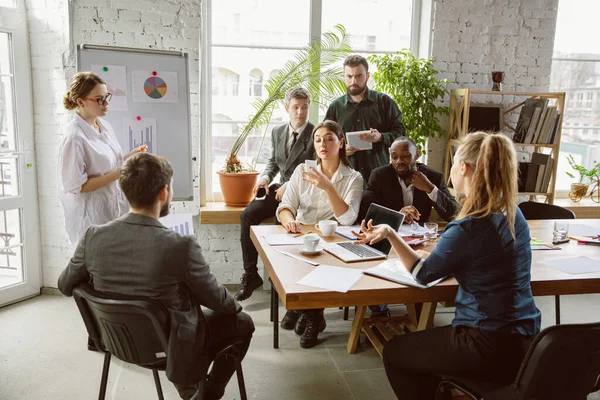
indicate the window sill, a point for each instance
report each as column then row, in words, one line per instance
column 217, row 213
column 586, row 208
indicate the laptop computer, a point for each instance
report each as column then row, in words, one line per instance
column 350, row 252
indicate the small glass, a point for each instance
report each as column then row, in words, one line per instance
column 561, row 230
column 431, row 233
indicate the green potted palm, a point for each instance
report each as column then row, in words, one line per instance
column 317, row 67
column 413, row 85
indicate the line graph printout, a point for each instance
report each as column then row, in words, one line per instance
column 115, row 77
column 136, row 133
column 180, row 223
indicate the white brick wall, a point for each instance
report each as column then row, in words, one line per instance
column 471, row 37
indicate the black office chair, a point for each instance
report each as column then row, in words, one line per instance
column 135, row 330
column 563, row 362
column 535, row 210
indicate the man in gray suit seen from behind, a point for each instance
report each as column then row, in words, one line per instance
column 136, row 255
column 292, row 145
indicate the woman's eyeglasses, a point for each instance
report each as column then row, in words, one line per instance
column 101, row 100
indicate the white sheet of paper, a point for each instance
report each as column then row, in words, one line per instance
column 180, row 223
column 338, row 279
column 575, row 265
column 286, row 239
column 583, row 230
column 149, row 88
column 136, row 133
column 354, row 140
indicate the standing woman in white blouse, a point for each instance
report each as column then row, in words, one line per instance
column 90, row 159
column 333, row 190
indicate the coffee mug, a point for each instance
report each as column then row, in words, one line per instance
column 326, row 227
column 311, row 241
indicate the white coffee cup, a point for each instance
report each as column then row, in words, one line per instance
column 326, row 227
column 311, row 241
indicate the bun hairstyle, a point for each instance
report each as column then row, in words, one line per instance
column 81, row 86
column 493, row 159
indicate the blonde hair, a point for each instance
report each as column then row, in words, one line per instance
column 81, row 86
column 493, row 187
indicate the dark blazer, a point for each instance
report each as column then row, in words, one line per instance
column 384, row 189
column 304, row 149
column 136, row 255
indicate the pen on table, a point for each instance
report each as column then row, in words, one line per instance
column 302, row 234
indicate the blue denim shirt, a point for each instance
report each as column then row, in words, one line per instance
column 493, row 271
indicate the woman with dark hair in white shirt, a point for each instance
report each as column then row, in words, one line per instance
column 90, row 159
column 333, row 190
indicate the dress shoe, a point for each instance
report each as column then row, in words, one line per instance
column 250, row 282
column 311, row 332
column 289, row 320
column 301, row 325
column 381, row 314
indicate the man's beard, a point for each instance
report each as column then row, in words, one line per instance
column 407, row 173
column 356, row 90
column 164, row 211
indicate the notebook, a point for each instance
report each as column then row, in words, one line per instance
column 350, row 252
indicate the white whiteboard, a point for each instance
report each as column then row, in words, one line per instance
column 150, row 103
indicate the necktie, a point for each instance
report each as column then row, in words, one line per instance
column 293, row 141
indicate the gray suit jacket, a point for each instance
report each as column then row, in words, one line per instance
column 303, row 149
column 136, row 255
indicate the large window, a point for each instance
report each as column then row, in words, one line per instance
column 255, row 38
column 576, row 71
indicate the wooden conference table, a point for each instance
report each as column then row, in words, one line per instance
column 285, row 271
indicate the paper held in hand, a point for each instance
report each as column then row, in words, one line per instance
column 394, row 271
column 354, row 140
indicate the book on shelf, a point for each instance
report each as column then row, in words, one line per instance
column 531, row 119
column 554, row 135
column 528, row 172
column 546, row 164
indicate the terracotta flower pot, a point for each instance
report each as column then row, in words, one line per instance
column 237, row 188
column 578, row 191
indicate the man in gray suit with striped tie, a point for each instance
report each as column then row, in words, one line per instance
column 292, row 145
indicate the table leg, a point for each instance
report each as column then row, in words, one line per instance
column 359, row 317
column 272, row 294
column 275, row 315
column 557, row 309
column 427, row 314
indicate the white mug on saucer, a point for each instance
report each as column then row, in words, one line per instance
column 311, row 242
column 326, row 227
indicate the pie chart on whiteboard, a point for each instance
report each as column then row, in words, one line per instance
column 155, row 87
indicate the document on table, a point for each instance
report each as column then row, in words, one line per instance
column 354, row 140
column 394, row 271
column 286, row 239
column 583, row 230
column 346, row 231
column 575, row 265
column 337, row 279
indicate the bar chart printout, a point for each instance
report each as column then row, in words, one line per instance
column 180, row 223
column 137, row 133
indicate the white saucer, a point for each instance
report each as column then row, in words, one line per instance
column 315, row 251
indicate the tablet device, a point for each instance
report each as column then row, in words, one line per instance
column 354, row 140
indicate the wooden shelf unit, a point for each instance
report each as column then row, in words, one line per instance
column 460, row 102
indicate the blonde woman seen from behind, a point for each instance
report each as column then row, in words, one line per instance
column 333, row 190
column 90, row 159
column 487, row 249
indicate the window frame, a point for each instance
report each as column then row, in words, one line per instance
column 420, row 44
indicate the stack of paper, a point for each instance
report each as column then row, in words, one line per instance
column 394, row 271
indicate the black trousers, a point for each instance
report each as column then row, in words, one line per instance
column 255, row 213
column 413, row 360
column 224, row 329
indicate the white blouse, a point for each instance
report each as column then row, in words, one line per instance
column 85, row 153
column 310, row 204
